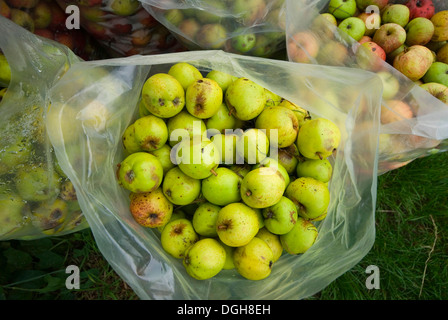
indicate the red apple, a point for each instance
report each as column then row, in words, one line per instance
column 65, row 38
column 414, row 62
column 365, row 39
column 420, row 8
column 363, row 4
column 302, row 47
column 141, row 37
column 46, row 33
column 395, row 110
column 390, row 36
column 5, row 10
column 120, row 25
column 58, row 17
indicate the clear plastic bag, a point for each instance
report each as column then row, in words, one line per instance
column 124, row 28
column 405, row 136
column 254, row 27
column 92, row 149
column 36, row 198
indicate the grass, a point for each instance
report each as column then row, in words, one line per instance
column 410, row 251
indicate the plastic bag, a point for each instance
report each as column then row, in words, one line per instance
column 45, row 18
column 254, row 27
column 124, row 28
column 403, row 138
column 36, row 198
column 90, row 156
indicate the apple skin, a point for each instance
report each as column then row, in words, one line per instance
column 419, row 31
column 395, row 13
column 391, row 85
column 420, row 8
column 390, row 36
column 442, row 54
column 373, row 59
column 396, row 110
column 354, row 27
column 438, row 90
column 342, row 9
column 303, row 46
column 437, row 72
column 414, row 62
column 363, row 4
column 440, row 21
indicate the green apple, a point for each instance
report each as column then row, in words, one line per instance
column 273, row 241
column 163, row 154
column 254, row 260
column 211, row 36
column 12, row 213
column 311, row 197
column 437, row 72
column 179, row 188
column 37, row 183
column 177, row 236
column 395, row 13
column 185, row 73
column 281, row 217
column 203, row 98
column 319, row 169
column 222, row 78
column 163, row 95
column 438, row 90
column 253, row 145
column 237, row 224
column 342, row 9
column 280, row 121
column 5, row 71
column 183, row 126
column 124, row 7
column 223, row 188
column 262, row 187
column 318, row 138
column 204, row 259
column 354, row 27
column 140, row 172
column 204, row 219
column 221, row 120
column 272, row 163
column 419, row 31
column 198, row 158
column 226, row 144
column 288, row 158
column 440, row 21
column 300, row 238
column 391, row 84
column 245, row 99
column 150, row 133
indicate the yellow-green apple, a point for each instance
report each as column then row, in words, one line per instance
column 442, row 54
column 395, row 110
column 5, row 71
column 391, row 84
column 419, row 31
column 177, row 236
column 204, row 259
column 414, row 61
column 124, row 7
column 420, row 8
column 438, row 90
column 333, row 53
column 390, row 36
column 254, row 260
column 303, row 46
column 5, row 10
column 300, row 238
column 354, row 27
column 395, row 13
column 437, row 72
column 211, row 36
column 440, row 21
column 342, row 9
column 391, row 55
column 41, row 15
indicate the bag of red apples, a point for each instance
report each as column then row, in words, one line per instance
column 249, row 27
column 405, row 43
column 46, row 18
column 37, row 200
column 123, row 27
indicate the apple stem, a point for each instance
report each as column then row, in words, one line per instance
column 319, row 155
column 248, row 193
column 213, row 172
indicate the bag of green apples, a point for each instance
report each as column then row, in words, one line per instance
column 36, row 198
column 123, row 27
column 254, row 27
column 123, row 148
column 414, row 109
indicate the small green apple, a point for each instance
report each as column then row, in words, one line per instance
column 300, row 238
column 281, row 217
column 437, row 72
column 254, row 260
column 204, row 259
column 177, row 236
column 354, row 27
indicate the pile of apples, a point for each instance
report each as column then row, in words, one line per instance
column 250, row 27
column 124, row 27
column 230, row 175
column 411, row 37
column 45, row 18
